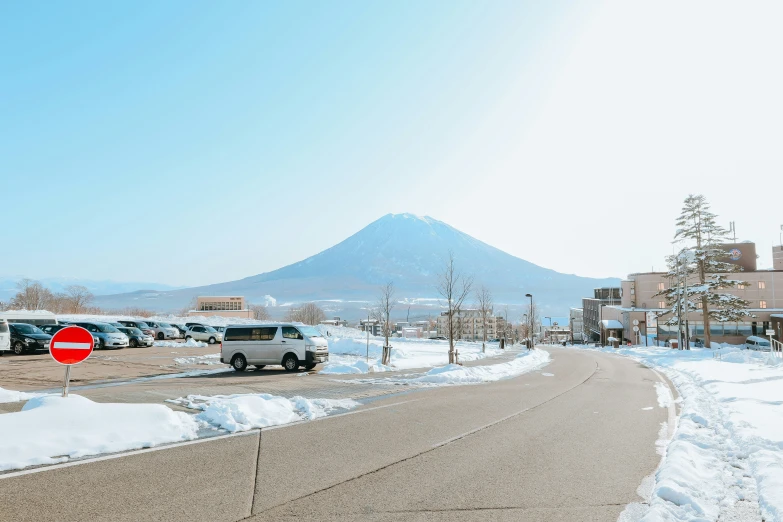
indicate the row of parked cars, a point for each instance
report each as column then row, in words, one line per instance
column 22, row 338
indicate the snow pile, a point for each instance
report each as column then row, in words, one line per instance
column 726, row 457
column 190, row 343
column 52, row 429
column 211, row 358
column 456, row 374
column 346, row 364
column 243, row 412
column 407, row 353
column 15, row 396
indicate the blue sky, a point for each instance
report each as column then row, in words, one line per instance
column 197, row 142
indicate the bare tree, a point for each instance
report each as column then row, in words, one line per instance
column 484, row 305
column 454, row 287
column 382, row 313
column 76, row 298
column 259, row 312
column 308, row 313
column 32, row 295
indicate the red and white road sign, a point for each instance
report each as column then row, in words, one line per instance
column 71, row 345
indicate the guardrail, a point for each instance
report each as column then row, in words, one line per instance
column 777, row 348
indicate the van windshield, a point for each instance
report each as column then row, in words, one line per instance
column 309, row 331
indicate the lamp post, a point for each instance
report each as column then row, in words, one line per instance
column 530, row 317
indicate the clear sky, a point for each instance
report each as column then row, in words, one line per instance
column 189, row 142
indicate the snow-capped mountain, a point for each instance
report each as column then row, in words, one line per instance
column 403, row 248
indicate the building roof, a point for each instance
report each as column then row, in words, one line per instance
column 612, row 324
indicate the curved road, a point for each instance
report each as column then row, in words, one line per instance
column 573, row 445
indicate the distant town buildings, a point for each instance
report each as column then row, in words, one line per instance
column 223, row 306
column 470, row 326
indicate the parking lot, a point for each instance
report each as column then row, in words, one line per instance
column 36, row 371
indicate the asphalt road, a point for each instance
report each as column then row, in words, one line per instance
column 574, row 445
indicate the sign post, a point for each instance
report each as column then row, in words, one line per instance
column 70, row 346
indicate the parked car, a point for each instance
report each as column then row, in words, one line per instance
column 163, row 330
column 286, row 344
column 5, row 337
column 141, row 325
column 188, row 325
column 27, row 338
column 439, row 338
column 52, row 329
column 757, row 343
column 203, row 333
column 136, row 337
column 219, row 329
column 182, row 329
column 108, row 335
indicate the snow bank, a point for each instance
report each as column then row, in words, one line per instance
column 347, row 365
column 725, row 460
column 243, row 412
column 408, row 353
column 456, row 374
column 190, row 343
column 15, row 396
column 52, row 429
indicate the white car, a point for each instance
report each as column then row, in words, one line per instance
column 5, row 337
column 163, row 330
column 203, row 333
column 757, row 343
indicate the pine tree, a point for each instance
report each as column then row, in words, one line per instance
column 702, row 261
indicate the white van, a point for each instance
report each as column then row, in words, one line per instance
column 757, row 343
column 289, row 344
column 5, row 337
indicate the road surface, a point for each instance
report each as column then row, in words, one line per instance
column 570, row 442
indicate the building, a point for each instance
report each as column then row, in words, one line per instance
column 335, row 321
column 591, row 311
column 577, row 325
column 641, row 308
column 375, row 327
column 470, row 326
column 223, row 306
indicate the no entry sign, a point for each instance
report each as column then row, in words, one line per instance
column 71, row 345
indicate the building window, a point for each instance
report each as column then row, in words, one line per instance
column 700, row 305
column 661, row 304
column 661, row 287
column 762, row 304
column 762, row 285
column 740, row 287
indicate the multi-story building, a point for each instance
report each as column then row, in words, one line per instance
column 375, row 327
column 223, row 306
column 470, row 325
column 642, row 307
column 577, row 325
column 591, row 310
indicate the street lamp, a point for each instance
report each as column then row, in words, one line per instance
column 530, row 317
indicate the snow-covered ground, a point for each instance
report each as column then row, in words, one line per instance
column 242, row 412
column 190, row 343
column 208, row 359
column 15, row 396
column 725, row 460
column 348, row 349
column 52, row 429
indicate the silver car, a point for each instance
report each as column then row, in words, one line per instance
column 163, row 330
column 108, row 336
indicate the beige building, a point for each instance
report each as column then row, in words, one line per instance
column 640, row 306
column 223, row 306
column 470, row 325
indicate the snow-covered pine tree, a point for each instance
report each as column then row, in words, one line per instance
column 697, row 225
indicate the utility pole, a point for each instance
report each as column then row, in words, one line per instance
column 367, row 328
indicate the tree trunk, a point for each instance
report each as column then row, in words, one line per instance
column 705, row 308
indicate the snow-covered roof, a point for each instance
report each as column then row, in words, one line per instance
column 612, row 324
column 776, row 316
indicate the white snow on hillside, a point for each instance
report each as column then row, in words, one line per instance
column 725, row 460
column 52, row 429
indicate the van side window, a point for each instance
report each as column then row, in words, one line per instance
column 251, row 334
column 264, row 334
column 289, row 332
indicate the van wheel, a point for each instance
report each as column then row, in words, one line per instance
column 239, row 363
column 290, row 363
column 18, row 348
column 161, row 336
column 212, row 340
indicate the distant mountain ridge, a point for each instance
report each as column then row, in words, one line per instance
column 57, row 284
column 404, row 248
